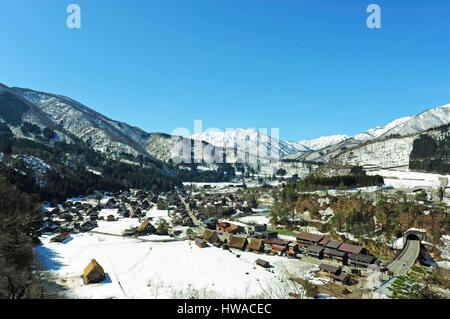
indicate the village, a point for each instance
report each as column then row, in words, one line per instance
column 229, row 223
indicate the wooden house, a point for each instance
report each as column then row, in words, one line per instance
column 359, row 260
column 308, row 239
column 145, row 228
column 93, row 273
column 315, row 251
column 238, row 242
column 212, row 237
column 330, row 269
column 255, row 245
column 336, row 255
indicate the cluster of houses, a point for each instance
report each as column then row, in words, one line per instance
column 72, row 217
column 207, row 205
column 256, row 238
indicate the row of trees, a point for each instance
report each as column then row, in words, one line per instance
column 20, row 219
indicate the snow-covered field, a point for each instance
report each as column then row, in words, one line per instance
column 137, row 269
column 403, row 179
column 256, row 219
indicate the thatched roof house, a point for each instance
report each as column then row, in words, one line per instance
column 255, row 244
column 238, row 242
column 212, row 237
column 93, row 273
column 145, row 227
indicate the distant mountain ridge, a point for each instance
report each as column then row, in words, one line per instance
column 72, row 120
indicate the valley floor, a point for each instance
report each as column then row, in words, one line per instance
column 163, row 267
column 139, row 269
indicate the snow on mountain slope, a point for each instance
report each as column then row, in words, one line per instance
column 257, row 140
column 321, row 142
column 82, row 122
column 378, row 131
column 424, row 121
column 389, row 153
column 231, row 138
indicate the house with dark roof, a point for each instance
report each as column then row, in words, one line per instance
column 359, row 260
column 335, row 254
column 145, row 228
column 315, row 251
column 333, row 244
column 330, row 269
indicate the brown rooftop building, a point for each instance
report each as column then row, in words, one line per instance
column 238, row 242
column 330, row 269
column 353, row 249
column 255, row 244
column 308, row 238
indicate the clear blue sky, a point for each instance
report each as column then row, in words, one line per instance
column 310, row 68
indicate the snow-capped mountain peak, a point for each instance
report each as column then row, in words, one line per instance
column 424, row 121
column 378, row 131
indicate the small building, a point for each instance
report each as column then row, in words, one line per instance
column 359, row 260
column 308, row 239
column 330, row 269
column 60, row 238
column 238, row 242
column 315, row 251
column 93, row 273
column 336, row 255
column 263, row 263
column 255, row 244
column 201, row 243
column 346, row 279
